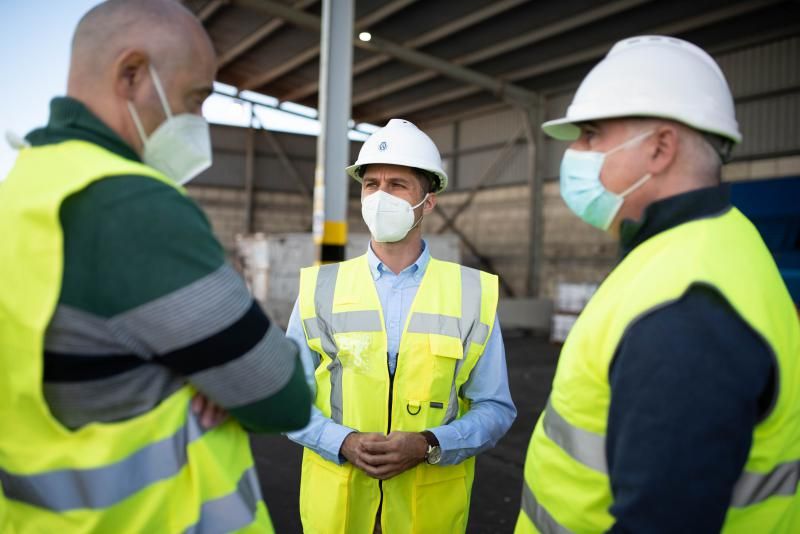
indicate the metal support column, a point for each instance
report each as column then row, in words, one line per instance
column 532, row 119
column 249, row 174
column 330, row 180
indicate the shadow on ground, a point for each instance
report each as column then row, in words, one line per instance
column 498, row 479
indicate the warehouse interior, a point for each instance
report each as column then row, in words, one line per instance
column 479, row 76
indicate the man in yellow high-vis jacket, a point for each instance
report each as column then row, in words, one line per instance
column 406, row 357
column 676, row 402
column 117, row 305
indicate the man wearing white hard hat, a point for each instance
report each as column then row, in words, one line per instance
column 406, row 357
column 676, row 402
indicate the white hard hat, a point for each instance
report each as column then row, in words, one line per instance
column 401, row 143
column 653, row 76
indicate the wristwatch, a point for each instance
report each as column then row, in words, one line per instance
column 434, row 453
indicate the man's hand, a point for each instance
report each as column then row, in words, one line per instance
column 209, row 414
column 398, row 452
column 353, row 446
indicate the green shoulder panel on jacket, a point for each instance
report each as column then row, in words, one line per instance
column 129, row 240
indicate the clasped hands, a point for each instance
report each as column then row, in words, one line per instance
column 383, row 457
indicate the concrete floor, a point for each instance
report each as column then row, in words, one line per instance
column 498, row 479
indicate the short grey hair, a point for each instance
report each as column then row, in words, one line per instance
column 699, row 154
column 696, row 154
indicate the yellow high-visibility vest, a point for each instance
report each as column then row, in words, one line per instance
column 566, row 477
column 445, row 334
column 157, row 472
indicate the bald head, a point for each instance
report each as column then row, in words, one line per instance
column 163, row 29
column 116, row 47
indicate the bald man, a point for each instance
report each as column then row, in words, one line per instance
column 118, row 305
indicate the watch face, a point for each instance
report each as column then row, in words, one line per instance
column 435, row 455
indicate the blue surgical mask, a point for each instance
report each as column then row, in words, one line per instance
column 583, row 191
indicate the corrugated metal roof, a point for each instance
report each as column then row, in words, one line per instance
column 540, row 46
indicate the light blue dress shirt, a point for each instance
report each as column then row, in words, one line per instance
column 491, row 412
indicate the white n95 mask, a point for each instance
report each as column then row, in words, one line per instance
column 388, row 217
column 583, row 191
column 181, row 146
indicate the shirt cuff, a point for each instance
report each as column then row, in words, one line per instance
column 333, row 436
column 449, row 438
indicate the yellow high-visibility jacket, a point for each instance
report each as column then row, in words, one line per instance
column 566, row 477
column 445, row 334
column 157, row 472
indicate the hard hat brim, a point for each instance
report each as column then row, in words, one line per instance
column 562, row 129
column 352, row 171
column 567, row 129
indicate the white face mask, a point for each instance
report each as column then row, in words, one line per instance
column 388, row 217
column 181, row 146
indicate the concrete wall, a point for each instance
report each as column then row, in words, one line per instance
column 275, row 212
column 497, row 223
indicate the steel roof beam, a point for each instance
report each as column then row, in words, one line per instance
column 257, row 36
column 426, row 38
column 208, row 10
column 503, row 90
column 684, row 25
column 307, row 55
column 539, row 34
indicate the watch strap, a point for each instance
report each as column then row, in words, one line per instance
column 430, row 437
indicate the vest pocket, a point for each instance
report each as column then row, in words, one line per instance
column 446, row 346
column 324, row 494
column 441, row 499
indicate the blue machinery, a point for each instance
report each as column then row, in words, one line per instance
column 774, row 207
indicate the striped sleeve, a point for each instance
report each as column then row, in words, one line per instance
column 216, row 335
column 143, row 267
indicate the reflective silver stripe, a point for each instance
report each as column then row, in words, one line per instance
column 313, row 330
column 586, row 447
column 342, row 322
column 432, row 323
column 100, row 487
column 335, row 368
column 471, row 308
column 323, row 303
column 452, row 402
column 230, row 512
column 480, row 333
column 470, row 327
column 752, row 488
column 540, row 517
column 357, row 321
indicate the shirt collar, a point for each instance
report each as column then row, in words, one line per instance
column 417, row 269
column 673, row 211
column 71, row 119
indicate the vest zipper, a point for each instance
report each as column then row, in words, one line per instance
column 391, row 393
column 388, row 429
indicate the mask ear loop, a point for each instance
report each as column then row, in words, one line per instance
column 636, row 185
column 160, row 90
column 640, row 182
column 632, row 140
column 161, row 96
column 137, row 122
column 415, row 207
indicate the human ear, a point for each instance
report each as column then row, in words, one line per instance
column 662, row 149
column 429, row 203
column 130, row 72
